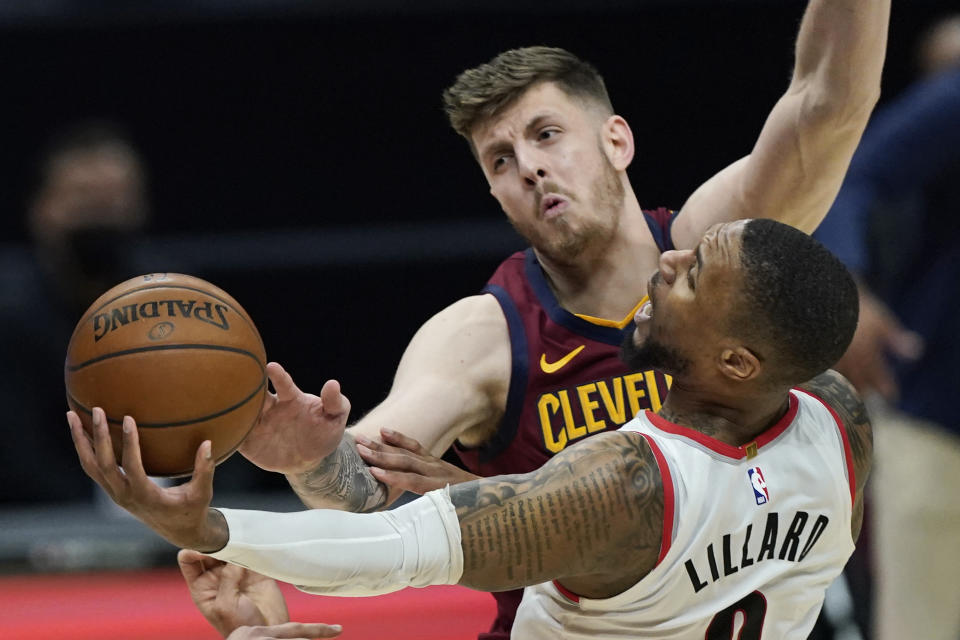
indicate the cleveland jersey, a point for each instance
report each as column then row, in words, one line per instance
column 752, row 537
column 567, row 381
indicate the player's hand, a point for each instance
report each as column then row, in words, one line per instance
column 296, row 430
column 289, row 630
column 181, row 514
column 230, row 596
column 879, row 336
column 401, row 462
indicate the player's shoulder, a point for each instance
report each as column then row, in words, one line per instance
column 482, row 307
column 841, row 396
column 465, row 329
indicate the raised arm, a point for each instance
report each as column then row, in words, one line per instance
column 836, row 391
column 799, row 160
column 451, row 382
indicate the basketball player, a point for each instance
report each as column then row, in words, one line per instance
column 742, row 494
column 519, row 373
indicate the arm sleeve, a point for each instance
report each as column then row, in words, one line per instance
column 907, row 143
column 349, row 554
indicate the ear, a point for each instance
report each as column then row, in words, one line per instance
column 739, row 364
column 618, row 142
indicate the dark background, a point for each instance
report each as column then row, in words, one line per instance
column 299, row 156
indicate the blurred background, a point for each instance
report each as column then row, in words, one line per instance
column 296, row 154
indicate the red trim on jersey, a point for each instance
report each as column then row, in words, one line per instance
column 847, row 453
column 569, row 595
column 669, row 502
column 669, row 505
column 723, row 448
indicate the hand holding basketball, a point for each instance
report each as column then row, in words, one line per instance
column 296, row 430
column 181, row 514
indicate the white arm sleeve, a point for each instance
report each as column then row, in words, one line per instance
column 351, row 554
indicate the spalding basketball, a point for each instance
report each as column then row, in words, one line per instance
column 179, row 355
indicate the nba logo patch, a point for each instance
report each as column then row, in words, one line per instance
column 759, row 485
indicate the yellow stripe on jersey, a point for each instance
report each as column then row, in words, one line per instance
column 613, row 323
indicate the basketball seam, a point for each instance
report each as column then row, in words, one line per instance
column 181, row 423
column 161, row 347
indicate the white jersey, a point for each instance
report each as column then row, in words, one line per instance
column 752, row 537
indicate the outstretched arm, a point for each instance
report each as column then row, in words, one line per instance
column 799, row 160
column 451, row 383
column 836, row 391
column 492, row 534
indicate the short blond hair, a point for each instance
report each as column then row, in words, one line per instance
column 484, row 91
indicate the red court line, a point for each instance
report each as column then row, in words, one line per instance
column 155, row 605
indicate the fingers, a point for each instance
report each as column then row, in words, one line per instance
column 84, row 447
column 334, row 402
column 398, row 439
column 305, row 630
column 102, row 444
column 282, row 382
column 114, row 480
column 193, row 563
column 130, row 457
column 203, row 465
column 407, row 481
column 389, row 457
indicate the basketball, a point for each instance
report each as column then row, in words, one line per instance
column 180, row 356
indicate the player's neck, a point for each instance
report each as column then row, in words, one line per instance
column 735, row 418
column 607, row 281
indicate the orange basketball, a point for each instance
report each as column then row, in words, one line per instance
column 179, row 355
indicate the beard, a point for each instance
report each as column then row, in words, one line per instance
column 564, row 242
column 653, row 354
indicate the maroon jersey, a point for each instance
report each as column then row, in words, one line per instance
column 567, row 381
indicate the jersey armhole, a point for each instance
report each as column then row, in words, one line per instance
column 519, row 366
column 660, row 222
column 844, row 438
column 669, row 498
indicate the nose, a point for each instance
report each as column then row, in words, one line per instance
column 672, row 262
column 531, row 168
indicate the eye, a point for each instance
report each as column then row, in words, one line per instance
column 547, row 134
column 500, row 162
column 690, row 281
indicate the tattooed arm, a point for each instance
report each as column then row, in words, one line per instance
column 592, row 517
column 451, row 384
column 837, row 392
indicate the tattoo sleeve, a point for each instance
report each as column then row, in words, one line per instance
column 594, row 510
column 837, row 391
column 342, row 481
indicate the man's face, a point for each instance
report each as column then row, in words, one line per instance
column 690, row 297
column 93, row 189
column 545, row 162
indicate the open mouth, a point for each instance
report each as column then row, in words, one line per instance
column 552, row 205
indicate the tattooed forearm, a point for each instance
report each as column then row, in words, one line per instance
column 837, row 391
column 594, row 510
column 341, row 481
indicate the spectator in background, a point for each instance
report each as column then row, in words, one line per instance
column 895, row 222
column 85, row 217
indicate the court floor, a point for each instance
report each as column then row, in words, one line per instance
column 155, row 605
